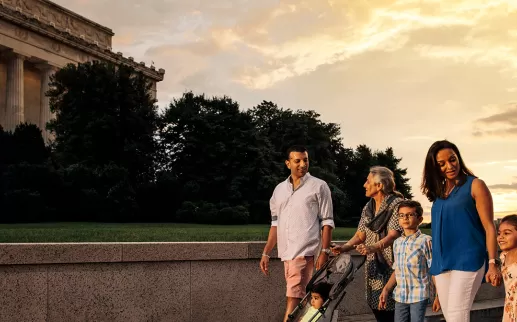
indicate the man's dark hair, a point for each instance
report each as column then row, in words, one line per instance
column 295, row 148
column 323, row 289
column 412, row 204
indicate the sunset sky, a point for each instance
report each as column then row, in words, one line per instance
column 391, row 73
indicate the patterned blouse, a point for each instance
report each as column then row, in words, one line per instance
column 376, row 278
column 510, row 285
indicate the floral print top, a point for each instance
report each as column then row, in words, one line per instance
column 510, row 285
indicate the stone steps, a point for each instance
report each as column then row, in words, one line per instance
column 482, row 311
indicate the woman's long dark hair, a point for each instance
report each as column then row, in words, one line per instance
column 433, row 182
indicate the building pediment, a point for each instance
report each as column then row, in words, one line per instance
column 67, row 28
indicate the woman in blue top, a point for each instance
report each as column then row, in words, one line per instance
column 462, row 223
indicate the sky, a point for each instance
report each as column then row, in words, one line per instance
column 391, row 73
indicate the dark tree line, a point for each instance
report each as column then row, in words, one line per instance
column 115, row 158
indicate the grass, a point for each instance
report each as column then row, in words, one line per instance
column 139, row 232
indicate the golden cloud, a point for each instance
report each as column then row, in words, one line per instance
column 346, row 29
column 502, row 122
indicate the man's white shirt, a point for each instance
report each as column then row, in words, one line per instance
column 300, row 215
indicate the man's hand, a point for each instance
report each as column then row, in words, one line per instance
column 264, row 265
column 322, row 259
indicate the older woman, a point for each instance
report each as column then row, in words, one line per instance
column 463, row 230
column 378, row 228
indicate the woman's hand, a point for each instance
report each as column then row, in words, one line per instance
column 336, row 250
column 436, row 304
column 365, row 250
column 383, row 299
column 493, row 276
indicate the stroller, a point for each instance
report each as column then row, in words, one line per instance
column 339, row 272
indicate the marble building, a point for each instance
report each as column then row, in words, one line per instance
column 36, row 38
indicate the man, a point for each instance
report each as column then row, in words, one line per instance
column 301, row 207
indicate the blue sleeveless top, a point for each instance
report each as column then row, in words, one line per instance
column 459, row 241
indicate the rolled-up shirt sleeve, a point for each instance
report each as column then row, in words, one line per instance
column 274, row 210
column 326, row 210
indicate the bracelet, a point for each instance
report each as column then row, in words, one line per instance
column 264, row 254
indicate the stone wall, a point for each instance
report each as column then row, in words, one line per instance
column 150, row 282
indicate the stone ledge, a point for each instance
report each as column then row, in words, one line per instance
column 149, row 252
column 19, row 254
column 55, row 253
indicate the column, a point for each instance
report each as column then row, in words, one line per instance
column 14, row 104
column 45, row 114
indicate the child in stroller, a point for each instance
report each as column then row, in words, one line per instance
column 334, row 275
column 319, row 295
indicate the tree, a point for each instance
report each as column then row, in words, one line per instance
column 214, row 151
column 104, row 133
column 354, row 167
column 29, row 185
column 284, row 128
column 388, row 159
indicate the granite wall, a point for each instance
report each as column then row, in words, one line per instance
column 207, row 281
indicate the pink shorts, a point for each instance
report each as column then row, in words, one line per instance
column 298, row 273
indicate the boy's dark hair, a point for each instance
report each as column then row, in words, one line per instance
column 510, row 219
column 412, row 204
column 323, row 289
column 295, row 148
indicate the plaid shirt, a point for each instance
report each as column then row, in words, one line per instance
column 412, row 263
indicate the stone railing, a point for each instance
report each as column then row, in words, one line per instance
column 205, row 281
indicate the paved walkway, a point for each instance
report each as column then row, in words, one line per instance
column 482, row 311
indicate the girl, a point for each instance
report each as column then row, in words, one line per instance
column 507, row 239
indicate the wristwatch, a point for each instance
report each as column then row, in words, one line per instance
column 495, row 261
column 326, row 251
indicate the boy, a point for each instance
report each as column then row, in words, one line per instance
column 412, row 254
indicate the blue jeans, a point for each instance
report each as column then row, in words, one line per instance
column 414, row 312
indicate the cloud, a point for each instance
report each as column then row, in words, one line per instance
column 456, row 31
column 501, row 123
column 491, row 163
column 503, row 186
column 420, row 138
column 268, row 42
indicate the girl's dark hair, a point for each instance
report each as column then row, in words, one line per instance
column 510, row 219
column 433, row 182
column 323, row 289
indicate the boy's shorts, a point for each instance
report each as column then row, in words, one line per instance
column 298, row 273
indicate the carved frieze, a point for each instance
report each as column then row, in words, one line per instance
column 22, row 34
column 63, row 48
column 55, row 46
column 61, row 20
